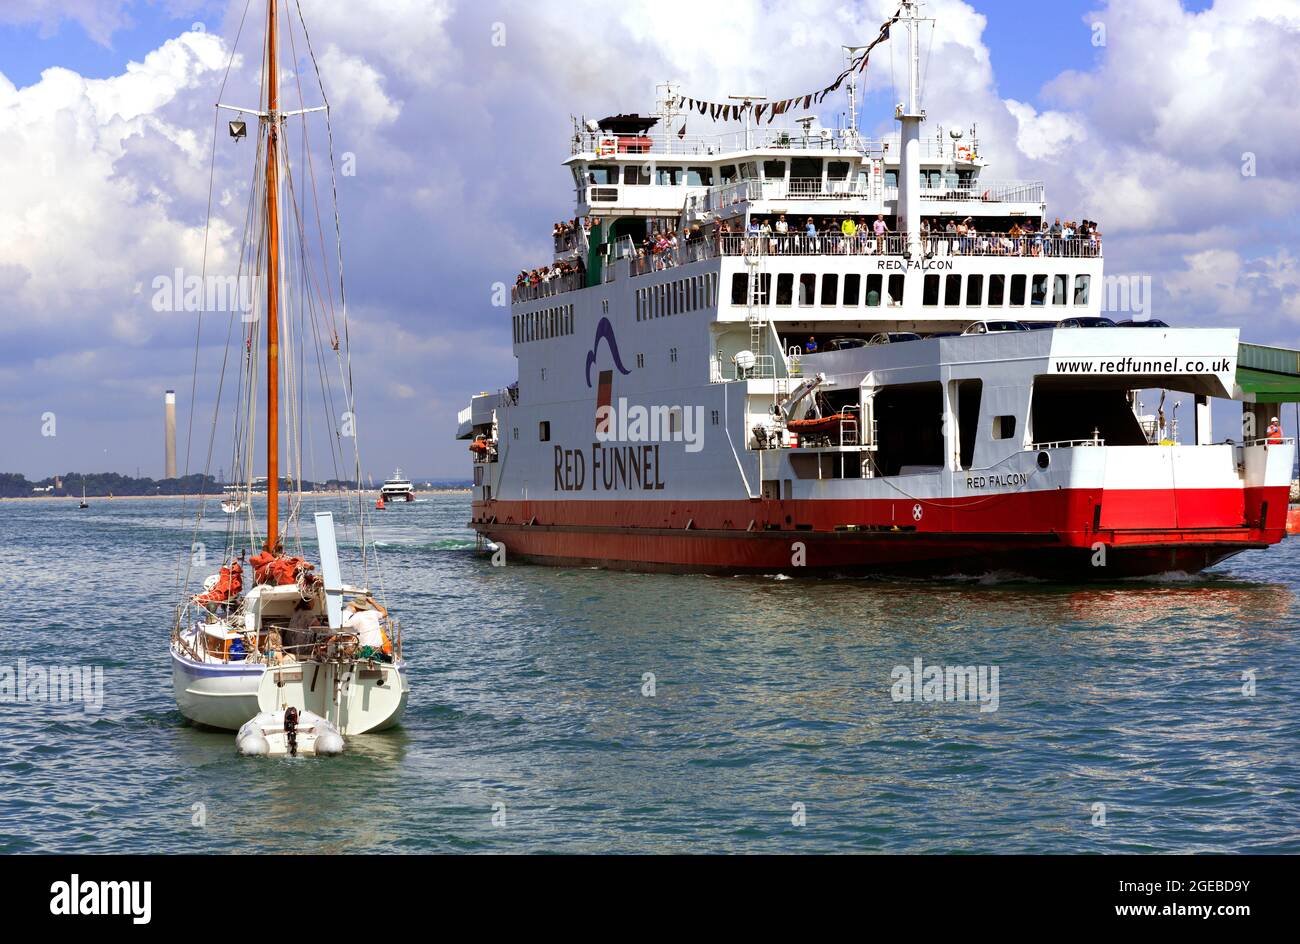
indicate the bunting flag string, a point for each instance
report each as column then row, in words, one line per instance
column 732, row 112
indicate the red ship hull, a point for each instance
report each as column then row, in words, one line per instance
column 1082, row 534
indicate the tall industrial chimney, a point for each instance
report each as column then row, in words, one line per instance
column 169, row 421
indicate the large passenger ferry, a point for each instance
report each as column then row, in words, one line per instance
column 798, row 350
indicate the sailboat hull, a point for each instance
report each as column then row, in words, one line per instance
column 216, row 695
column 359, row 700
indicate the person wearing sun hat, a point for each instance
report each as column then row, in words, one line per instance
column 363, row 615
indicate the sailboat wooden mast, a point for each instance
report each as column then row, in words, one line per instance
column 272, row 284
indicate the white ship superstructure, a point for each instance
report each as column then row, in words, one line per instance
column 796, row 348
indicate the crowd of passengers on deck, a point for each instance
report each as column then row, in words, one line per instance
column 855, row 236
column 544, row 275
column 832, row 235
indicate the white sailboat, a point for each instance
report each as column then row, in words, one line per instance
column 301, row 657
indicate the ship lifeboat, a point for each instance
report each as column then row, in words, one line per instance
column 818, row 426
column 480, row 446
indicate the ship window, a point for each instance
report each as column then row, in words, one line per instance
column 969, row 393
column 636, row 174
column 997, row 289
column 640, row 360
column 932, row 178
column 1004, row 427
column 809, row 171
column 891, row 178
column 852, row 288
column 952, row 290
column 1081, row 285
column 1017, row 290
column 931, row 296
column 837, row 170
column 1060, row 289
column 896, row 286
column 774, row 170
column 807, row 288
column 874, row 284
column 749, row 170
column 672, row 355
column 670, row 176
column 974, row 290
column 830, row 289
column 699, row 176
column 728, row 172
column 785, row 289
column 1038, row 294
column 909, row 428
column 601, row 174
column 740, row 288
column 544, row 430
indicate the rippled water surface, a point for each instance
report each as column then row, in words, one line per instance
column 527, row 691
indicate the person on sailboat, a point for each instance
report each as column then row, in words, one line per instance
column 363, row 618
column 300, row 633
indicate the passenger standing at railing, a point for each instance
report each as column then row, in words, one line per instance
column 849, row 230
column 831, row 236
column 810, row 237
column 864, row 232
column 765, row 234
column 782, row 234
column 880, row 229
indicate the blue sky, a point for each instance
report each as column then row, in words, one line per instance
column 458, row 144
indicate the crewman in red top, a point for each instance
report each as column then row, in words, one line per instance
column 1274, row 432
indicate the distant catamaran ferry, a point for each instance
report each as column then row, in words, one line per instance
column 797, row 350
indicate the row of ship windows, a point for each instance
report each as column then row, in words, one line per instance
column 1016, row 290
column 673, row 298
column 543, row 323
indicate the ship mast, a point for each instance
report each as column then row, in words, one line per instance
column 272, row 284
column 910, row 115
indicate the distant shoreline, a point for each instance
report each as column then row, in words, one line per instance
column 213, row 498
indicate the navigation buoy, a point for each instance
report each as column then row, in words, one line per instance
column 379, row 504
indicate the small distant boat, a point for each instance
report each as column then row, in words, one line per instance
column 397, row 489
column 233, row 506
column 84, row 503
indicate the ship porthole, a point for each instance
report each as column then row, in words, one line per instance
column 1044, row 460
